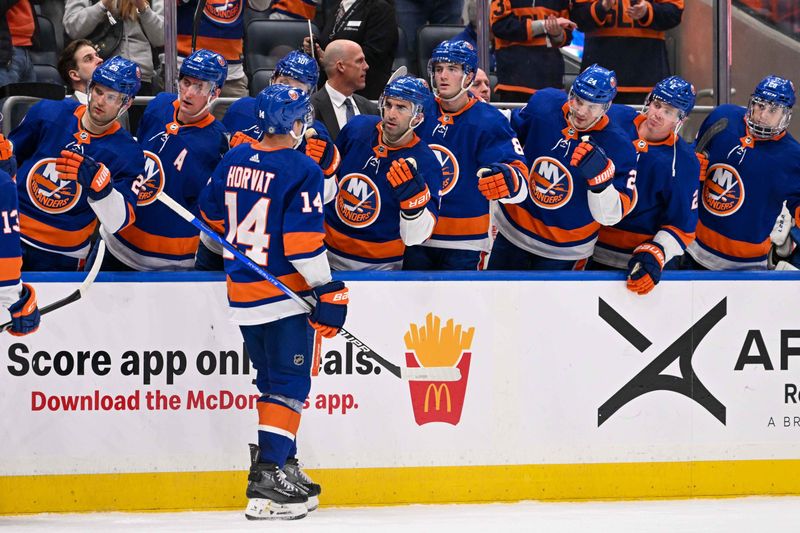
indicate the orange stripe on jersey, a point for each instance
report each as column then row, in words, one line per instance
column 47, row 234
column 462, row 226
column 10, row 268
column 638, row 33
column 231, row 49
column 686, row 238
column 279, row 416
column 261, row 290
column 298, row 7
column 627, row 204
column 621, row 89
column 159, row 244
column 551, row 233
column 731, row 247
column 302, row 242
column 620, row 238
column 216, row 225
column 368, row 250
column 514, row 88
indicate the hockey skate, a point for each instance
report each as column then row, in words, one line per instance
column 299, row 478
column 271, row 496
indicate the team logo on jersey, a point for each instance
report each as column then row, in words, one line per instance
column 550, row 183
column 358, row 203
column 48, row 191
column 449, row 165
column 223, row 11
column 152, row 181
column 723, row 190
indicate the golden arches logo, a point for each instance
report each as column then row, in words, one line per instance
column 438, row 390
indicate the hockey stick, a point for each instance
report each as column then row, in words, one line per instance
column 406, row 373
column 78, row 293
column 710, row 133
column 198, row 14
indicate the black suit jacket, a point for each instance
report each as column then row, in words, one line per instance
column 323, row 110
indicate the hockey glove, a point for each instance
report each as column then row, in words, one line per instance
column 408, row 186
column 331, row 310
column 240, row 138
column 703, row 159
column 24, row 313
column 779, row 235
column 88, row 172
column 645, row 266
column 323, row 152
column 8, row 163
column 593, row 163
column 498, row 181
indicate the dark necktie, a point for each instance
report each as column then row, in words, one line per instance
column 349, row 112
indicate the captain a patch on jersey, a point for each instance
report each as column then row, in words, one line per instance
column 358, row 203
column 549, row 183
column 723, row 190
column 48, row 191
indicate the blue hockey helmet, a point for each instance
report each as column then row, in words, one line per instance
column 771, row 91
column 279, row 106
column 676, row 92
column 596, row 84
column 207, row 66
column 300, row 67
column 119, row 74
column 410, row 89
column 455, row 52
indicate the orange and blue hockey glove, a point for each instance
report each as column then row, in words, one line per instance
column 8, row 163
column 24, row 313
column 331, row 310
column 645, row 267
column 240, row 138
column 323, row 152
column 498, row 180
column 703, row 160
column 594, row 164
column 89, row 173
column 408, row 186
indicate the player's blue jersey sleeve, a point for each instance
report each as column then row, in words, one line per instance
column 212, row 198
column 303, row 223
column 241, row 116
column 10, row 254
column 26, row 135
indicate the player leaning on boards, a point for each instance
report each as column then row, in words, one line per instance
column 389, row 183
column 182, row 143
column 582, row 175
column 77, row 165
column 260, row 196
column 753, row 168
column 654, row 235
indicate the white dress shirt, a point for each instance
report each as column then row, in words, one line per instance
column 337, row 99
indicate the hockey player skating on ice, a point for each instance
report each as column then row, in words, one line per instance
column 582, row 176
column 267, row 199
column 183, row 144
column 389, row 183
column 753, row 165
column 77, row 165
column 656, row 232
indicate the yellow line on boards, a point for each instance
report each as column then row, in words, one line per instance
column 173, row 491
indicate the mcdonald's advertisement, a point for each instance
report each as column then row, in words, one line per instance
column 152, row 377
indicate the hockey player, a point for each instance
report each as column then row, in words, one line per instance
column 467, row 136
column 753, row 167
column 77, row 166
column 267, row 199
column 17, row 299
column 389, row 183
column 662, row 223
column 182, row 144
column 582, row 175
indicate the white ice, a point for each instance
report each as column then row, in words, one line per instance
column 684, row 516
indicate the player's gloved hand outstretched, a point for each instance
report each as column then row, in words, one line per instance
column 241, row 138
column 593, row 163
column 408, row 186
column 24, row 313
column 702, row 158
column 645, row 266
column 331, row 310
column 8, row 163
column 88, row 172
column 497, row 181
column 323, row 152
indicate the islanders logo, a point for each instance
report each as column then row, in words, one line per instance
column 550, row 183
column 358, row 203
column 223, row 11
column 152, row 181
column 48, row 191
column 723, row 190
column 433, row 344
column 449, row 165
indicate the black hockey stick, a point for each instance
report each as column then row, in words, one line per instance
column 439, row 373
column 710, row 133
column 198, row 14
column 78, row 293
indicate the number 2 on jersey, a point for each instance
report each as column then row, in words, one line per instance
column 251, row 231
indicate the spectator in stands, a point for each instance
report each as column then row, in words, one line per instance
column 293, row 9
column 413, row 14
column 335, row 103
column 470, row 32
column 370, row 23
column 627, row 36
column 76, row 65
column 17, row 28
column 221, row 30
column 481, row 86
column 142, row 29
column 528, row 35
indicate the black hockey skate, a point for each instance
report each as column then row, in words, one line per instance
column 299, row 478
column 271, row 496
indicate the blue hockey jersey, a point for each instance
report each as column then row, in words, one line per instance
column 362, row 227
column 55, row 214
column 10, row 253
column 555, row 221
